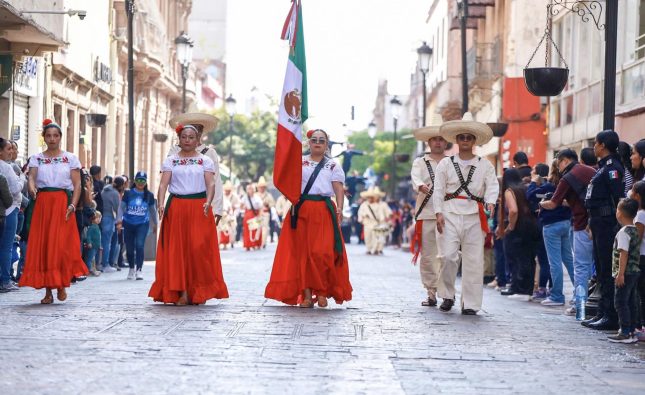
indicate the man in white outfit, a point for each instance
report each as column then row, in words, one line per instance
column 204, row 123
column 374, row 215
column 465, row 186
column 426, row 241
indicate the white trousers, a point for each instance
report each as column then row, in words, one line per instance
column 266, row 217
column 463, row 231
column 431, row 259
column 374, row 241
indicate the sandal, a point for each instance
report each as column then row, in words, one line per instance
column 429, row 302
column 182, row 301
column 307, row 304
column 61, row 294
column 322, row 301
column 48, row 299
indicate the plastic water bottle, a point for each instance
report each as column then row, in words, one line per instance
column 581, row 301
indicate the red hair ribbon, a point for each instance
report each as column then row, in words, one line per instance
column 310, row 133
column 179, row 128
column 47, row 122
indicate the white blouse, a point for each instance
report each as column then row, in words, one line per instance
column 187, row 173
column 329, row 173
column 55, row 172
column 258, row 205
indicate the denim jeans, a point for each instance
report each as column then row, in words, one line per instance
column 543, row 259
column 107, row 230
column 582, row 259
column 500, row 263
column 6, row 246
column 90, row 254
column 558, row 248
column 135, row 240
column 626, row 301
column 21, row 261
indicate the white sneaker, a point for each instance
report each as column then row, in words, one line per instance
column 108, row 269
column 139, row 275
column 571, row 311
column 551, row 302
column 131, row 274
column 523, row 298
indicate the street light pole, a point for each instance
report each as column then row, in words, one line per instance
column 395, row 108
column 184, row 46
column 425, row 57
column 130, row 10
column 463, row 18
column 611, row 34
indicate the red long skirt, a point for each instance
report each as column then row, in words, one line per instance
column 305, row 259
column 188, row 255
column 224, row 237
column 54, row 245
column 252, row 238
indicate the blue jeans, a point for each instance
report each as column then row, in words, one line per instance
column 627, row 301
column 500, row 263
column 107, row 230
column 582, row 259
column 90, row 254
column 558, row 248
column 135, row 239
column 543, row 260
column 6, row 246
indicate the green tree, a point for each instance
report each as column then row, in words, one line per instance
column 378, row 154
column 253, row 143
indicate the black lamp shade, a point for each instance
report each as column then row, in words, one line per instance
column 545, row 81
column 499, row 128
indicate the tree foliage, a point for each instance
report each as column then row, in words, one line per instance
column 378, row 154
column 253, row 143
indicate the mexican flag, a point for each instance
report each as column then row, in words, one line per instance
column 287, row 171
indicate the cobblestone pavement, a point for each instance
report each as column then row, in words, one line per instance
column 109, row 338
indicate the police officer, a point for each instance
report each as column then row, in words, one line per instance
column 603, row 193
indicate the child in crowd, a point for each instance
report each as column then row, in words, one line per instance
column 638, row 194
column 92, row 243
column 626, row 272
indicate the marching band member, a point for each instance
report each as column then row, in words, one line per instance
column 252, row 205
column 374, row 215
column 53, row 250
column 426, row 241
column 188, row 270
column 310, row 263
column 465, row 185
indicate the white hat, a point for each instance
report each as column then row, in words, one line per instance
column 430, row 131
column 372, row 192
column 262, row 182
column 482, row 132
column 209, row 122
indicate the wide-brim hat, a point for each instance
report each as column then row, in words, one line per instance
column 430, row 131
column 372, row 192
column 262, row 182
column 228, row 186
column 467, row 125
column 208, row 122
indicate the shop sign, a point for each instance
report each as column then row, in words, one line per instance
column 25, row 78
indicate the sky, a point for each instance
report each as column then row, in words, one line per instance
column 350, row 45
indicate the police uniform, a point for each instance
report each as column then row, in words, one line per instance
column 603, row 193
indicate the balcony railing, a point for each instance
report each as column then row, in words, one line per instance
column 484, row 62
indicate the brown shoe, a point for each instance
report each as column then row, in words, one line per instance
column 447, row 304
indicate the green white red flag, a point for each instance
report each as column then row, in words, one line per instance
column 287, row 170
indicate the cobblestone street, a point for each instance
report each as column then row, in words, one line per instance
column 109, row 338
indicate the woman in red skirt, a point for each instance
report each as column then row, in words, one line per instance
column 188, row 269
column 252, row 226
column 310, row 263
column 54, row 246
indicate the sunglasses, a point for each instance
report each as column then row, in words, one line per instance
column 141, row 180
column 320, row 140
column 465, row 137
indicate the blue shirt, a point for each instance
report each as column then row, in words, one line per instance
column 546, row 217
column 135, row 209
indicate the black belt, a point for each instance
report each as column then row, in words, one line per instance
column 604, row 211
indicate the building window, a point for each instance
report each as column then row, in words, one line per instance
column 71, row 130
column 640, row 41
column 567, row 110
column 555, row 114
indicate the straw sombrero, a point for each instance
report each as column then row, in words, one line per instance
column 430, row 131
column 467, row 125
column 208, row 121
column 228, row 186
column 372, row 192
column 262, row 182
